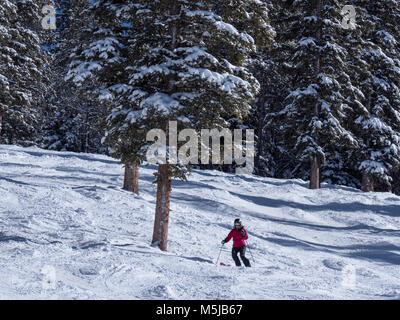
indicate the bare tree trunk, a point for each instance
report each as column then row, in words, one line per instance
column 1, row 121
column 128, row 177
column 367, row 182
column 160, row 232
column 136, row 179
column 131, row 178
column 315, row 173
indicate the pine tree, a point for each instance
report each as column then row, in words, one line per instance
column 184, row 61
column 377, row 124
column 22, row 71
column 315, row 111
column 194, row 72
column 97, row 67
column 269, row 66
column 72, row 120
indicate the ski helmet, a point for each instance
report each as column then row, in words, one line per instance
column 237, row 222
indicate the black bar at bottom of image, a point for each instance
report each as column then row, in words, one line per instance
column 193, row 309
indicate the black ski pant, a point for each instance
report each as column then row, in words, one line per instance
column 242, row 251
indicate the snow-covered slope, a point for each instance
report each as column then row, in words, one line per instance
column 68, row 231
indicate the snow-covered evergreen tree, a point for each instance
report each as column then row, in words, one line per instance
column 22, row 70
column 97, row 67
column 269, row 66
column 72, row 120
column 377, row 122
column 196, row 73
column 314, row 113
column 185, row 62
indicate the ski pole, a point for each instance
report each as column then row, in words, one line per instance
column 251, row 253
column 219, row 254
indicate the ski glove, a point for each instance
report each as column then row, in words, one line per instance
column 223, row 241
column 243, row 233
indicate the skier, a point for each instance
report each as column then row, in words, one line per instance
column 239, row 234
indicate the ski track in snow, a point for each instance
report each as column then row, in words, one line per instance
column 66, row 212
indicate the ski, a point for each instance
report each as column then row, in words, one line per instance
column 224, row 264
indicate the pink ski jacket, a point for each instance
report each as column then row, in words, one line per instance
column 238, row 239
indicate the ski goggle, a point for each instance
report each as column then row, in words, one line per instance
column 237, row 224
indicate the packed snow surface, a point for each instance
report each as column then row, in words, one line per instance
column 68, row 231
